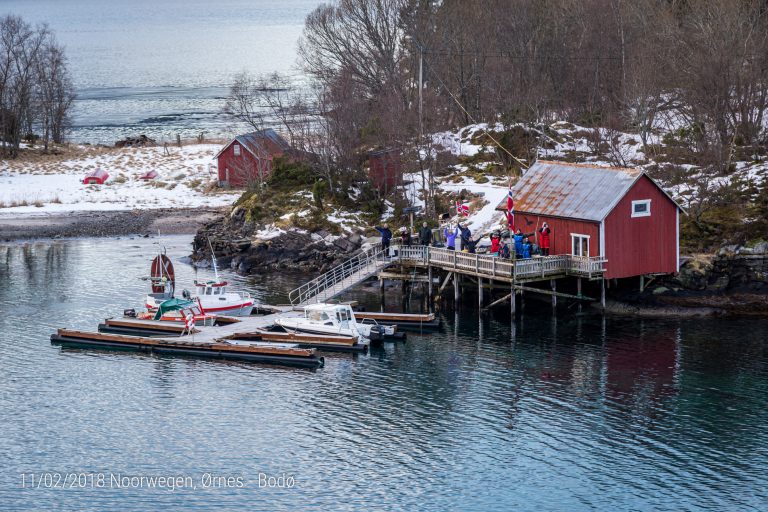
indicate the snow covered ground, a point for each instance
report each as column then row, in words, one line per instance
column 51, row 184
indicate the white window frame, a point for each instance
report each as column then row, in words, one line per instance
column 573, row 239
column 646, row 213
column 236, row 149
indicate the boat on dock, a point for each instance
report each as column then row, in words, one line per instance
column 403, row 321
column 212, row 297
column 271, row 353
column 334, row 319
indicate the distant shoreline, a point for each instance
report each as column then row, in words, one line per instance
column 92, row 224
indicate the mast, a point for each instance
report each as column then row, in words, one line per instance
column 213, row 259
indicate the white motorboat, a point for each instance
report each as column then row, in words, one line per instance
column 334, row 319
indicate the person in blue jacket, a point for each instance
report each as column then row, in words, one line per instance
column 519, row 237
column 386, row 236
column 527, row 248
column 450, row 233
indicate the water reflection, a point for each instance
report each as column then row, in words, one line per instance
column 561, row 411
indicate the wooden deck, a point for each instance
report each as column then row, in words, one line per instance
column 512, row 271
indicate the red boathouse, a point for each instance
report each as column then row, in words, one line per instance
column 247, row 159
column 620, row 214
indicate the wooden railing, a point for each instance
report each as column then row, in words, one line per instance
column 493, row 266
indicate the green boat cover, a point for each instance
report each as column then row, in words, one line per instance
column 173, row 305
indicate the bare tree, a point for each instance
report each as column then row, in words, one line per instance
column 35, row 88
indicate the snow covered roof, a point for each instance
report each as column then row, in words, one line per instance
column 578, row 191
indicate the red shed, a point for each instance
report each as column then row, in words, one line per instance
column 97, row 177
column 618, row 213
column 385, row 169
column 248, row 158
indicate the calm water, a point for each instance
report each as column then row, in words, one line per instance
column 163, row 67
column 576, row 413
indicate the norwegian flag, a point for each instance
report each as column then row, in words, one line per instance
column 510, row 210
column 189, row 319
column 461, row 208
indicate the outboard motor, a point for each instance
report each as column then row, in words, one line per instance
column 130, row 313
column 377, row 333
column 186, row 294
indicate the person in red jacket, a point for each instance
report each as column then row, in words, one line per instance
column 495, row 239
column 544, row 232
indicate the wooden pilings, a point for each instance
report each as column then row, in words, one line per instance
column 480, row 292
column 553, row 285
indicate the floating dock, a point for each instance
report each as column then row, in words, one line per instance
column 284, row 355
column 403, row 321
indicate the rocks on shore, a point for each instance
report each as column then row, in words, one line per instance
column 733, row 280
column 140, row 141
column 246, row 247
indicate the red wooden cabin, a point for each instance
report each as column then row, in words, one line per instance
column 97, row 177
column 618, row 213
column 247, row 159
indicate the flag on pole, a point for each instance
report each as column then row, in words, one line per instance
column 510, row 210
column 462, row 208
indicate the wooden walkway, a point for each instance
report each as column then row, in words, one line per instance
column 512, row 271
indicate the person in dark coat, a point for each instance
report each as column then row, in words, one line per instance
column 466, row 239
column 425, row 235
column 386, row 236
column 544, row 241
column 504, row 250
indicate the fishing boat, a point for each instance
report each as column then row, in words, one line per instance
column 213, row 297
column 336, row 319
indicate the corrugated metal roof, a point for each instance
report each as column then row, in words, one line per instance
column 576, row 191
column 254, row 142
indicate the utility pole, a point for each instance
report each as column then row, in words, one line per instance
column 421, row 90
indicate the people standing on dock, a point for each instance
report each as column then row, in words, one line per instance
column 386, row 236
column 504, row 250
column 405, row 236
column 519, row 237
column 495, row 242
column 527, row 248
column 450, row 233
column 425, row 235
column 466, row 238
column 544, row 241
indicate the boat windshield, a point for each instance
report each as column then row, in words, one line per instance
column 317, row 316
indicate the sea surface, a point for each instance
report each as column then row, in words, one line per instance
column 163, row 68
column 565, row 411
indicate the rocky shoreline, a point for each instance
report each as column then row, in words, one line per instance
column 734, row 281
column 243, row 247
column 105, row 223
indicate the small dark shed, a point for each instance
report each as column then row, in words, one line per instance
column 385, row 169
